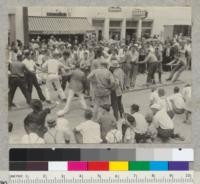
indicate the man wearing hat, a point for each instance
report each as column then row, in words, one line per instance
column 53, row 66
column 103, row 82
column 53, row 135
column 116, row 94
column 31, row 75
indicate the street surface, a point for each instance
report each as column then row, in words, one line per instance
column 139, row 95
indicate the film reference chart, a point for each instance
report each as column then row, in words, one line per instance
column 101, row 166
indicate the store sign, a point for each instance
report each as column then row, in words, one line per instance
column 139, row 13
column 114, row 9
column 56, row 14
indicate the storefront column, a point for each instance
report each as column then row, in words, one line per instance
column 123, row 29
column 106, row 28
column 139, row 28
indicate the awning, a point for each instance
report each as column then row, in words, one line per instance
column 59, row 25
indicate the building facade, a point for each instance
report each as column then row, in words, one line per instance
column 121, row 23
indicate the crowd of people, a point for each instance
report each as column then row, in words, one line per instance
column 100, row 72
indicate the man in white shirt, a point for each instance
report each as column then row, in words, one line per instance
column 177, row 101
column 89, row 129
column 154, row 98
column 32, row 138
column 31, row 75
column 164, row 124
column 62, row 125
column 53, row 65
column 141, row 124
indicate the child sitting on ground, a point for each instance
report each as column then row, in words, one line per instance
column 114, row 135
column 129, row 136
column 151, row 130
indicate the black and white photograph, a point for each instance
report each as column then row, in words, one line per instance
column 100, row 75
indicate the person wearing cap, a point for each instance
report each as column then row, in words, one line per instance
column 116, row 94
column 76, row 87
column 53, row 66
column 17, row 71
column 164, row 124
column 180, row 65
column 102, row 83
column 89, row 130
column 152, row 61
column 131, row 60
column 53, row 135
column 31, row 75
column 106, row 120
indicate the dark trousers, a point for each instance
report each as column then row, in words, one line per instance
column 14, row 83
column 64, row 81
column 32, row 81
column 117, row 106
column 152, row 68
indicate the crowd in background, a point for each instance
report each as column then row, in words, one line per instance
column 101, row 71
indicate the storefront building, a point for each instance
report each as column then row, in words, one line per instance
column 119, row 23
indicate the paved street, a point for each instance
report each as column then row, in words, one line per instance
column 75, row 116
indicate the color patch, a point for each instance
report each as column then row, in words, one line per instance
column 17, row 166
column 139, row 166
column 98, row 166
column 37, row 166
column 159, row 166
column 183, row 155
column 178, row 166
column 118, row 166
column 58, row 166
column 77, row 166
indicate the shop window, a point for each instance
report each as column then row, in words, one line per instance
column 146, row 33
column 131, row 24
column 185, row 30
column 115, row 23
column 147, row 23
column 98, row 23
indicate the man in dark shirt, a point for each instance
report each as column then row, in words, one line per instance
column 36, row 119
column 17, row 79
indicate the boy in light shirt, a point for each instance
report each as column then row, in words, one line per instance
column 89, row 130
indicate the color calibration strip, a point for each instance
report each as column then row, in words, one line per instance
column 144, row 154
column 101, row 166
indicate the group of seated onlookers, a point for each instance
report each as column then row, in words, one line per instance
column 158, row 124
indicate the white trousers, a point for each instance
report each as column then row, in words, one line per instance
column 54, row 78
column 70, row 98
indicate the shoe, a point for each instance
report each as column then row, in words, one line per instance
column 13, row 105
column 61, row 113
column 48, row 102
column 64, row 100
